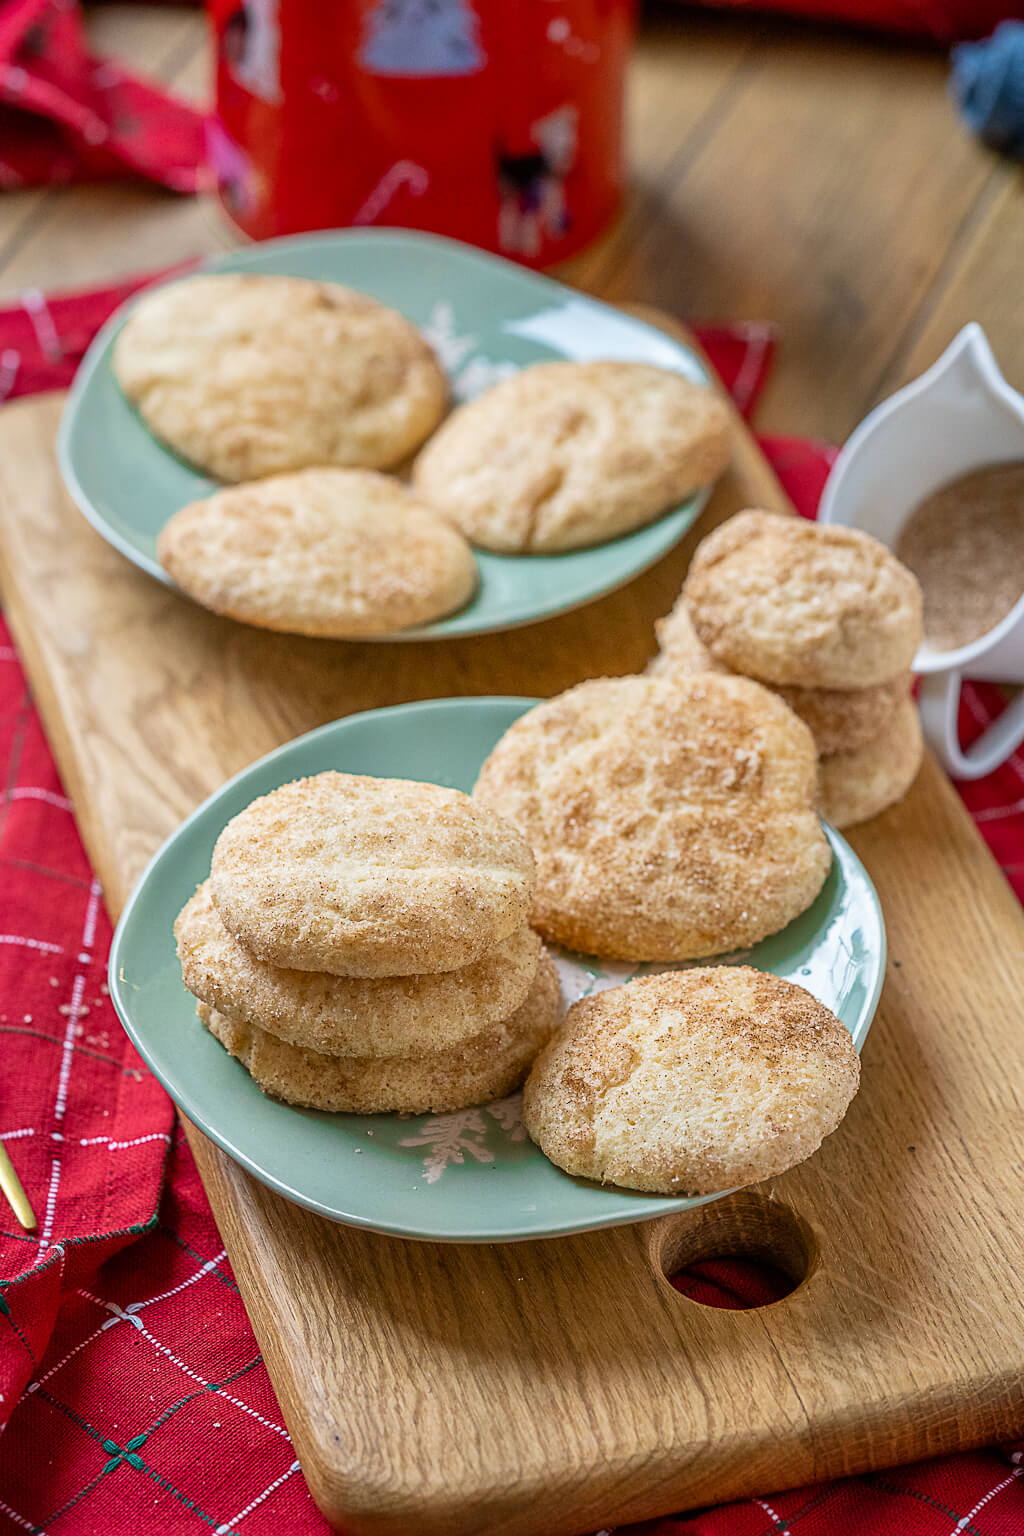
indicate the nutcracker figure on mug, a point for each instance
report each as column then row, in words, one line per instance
column 498, row 122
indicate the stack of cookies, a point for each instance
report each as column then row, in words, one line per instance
column 362, row 945
column 829, row 619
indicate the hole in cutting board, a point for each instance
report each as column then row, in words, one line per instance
column 745, row 1251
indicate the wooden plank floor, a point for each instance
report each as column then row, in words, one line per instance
column 815, row 178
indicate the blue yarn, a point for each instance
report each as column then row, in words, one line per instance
column 988, row 86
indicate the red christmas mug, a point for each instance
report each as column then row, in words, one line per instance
column 498, row 122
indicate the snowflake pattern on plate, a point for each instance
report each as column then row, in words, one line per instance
column 489, row 1129
column 470, row 374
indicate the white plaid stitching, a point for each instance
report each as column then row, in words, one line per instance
column 780, row 1523
column 130, row 1314
column 267, row 1424
column 965, row 1520
column 28, row 1525
column 19, row 938
column 758, row 339
column 119, row 1146
column 68, row 1054
column 994, row 812
column 28, row 1130
column 34, row 1386
column 224, row 1530
column 60, row 802
column 10, row 362
column 35, row 306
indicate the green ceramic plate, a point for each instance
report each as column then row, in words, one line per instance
column 485, row 317
column 467, row 1177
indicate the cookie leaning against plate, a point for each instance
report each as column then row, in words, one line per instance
column 370, row 877
column 839, row 719
column 854, row 786
column 564, row 454
column 691, row 1082
column 333, row 552
column 786, row 601
column 680, row 824
column 247, row 375
column 349, row 1015
column 488, row 1066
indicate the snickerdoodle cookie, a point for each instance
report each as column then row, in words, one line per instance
column 567, row 454
column 787, row 601
column 250, row 374
column 853, row 786
column 839, row 719
column 333, row 552
column 487, row 1066
column 670, row 818
column 361, row 876
column 348, row 1015
column 691, row 1082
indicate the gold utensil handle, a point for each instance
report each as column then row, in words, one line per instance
column 16, row 1196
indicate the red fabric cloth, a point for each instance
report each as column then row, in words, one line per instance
column 133, row 1391
column 68, row 116
column 943, row 20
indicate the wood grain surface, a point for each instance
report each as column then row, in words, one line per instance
column 551, row 1388
column 546, row 1389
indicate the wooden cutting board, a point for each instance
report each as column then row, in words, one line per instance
column 550, row 1388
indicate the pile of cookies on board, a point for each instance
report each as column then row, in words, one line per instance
column 310, row 399
column 829, row 619
column 363, row 945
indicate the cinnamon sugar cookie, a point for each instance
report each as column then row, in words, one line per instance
column 340, row 553
column 669, row 818
column 691, row 1082
column 791, row 602
column 249, row 374
column 839, row 719
column 566, row 454
column 854, row 786
column 346, row 1015
column 370, row 877
column 488, row 1066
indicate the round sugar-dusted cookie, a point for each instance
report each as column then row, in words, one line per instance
column 691, row 1082
column 839, row 719
column 350, row 1015
column 565, row 454
column 670, row 818
column 340, row 553
column 370, row 877
column 249, row 374
column 854, row 786
column 487, row 1066
column 787, row 601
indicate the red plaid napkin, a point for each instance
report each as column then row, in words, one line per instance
column 134, row 1393
column 67, row 116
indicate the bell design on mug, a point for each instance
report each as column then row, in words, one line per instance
column 422, row 38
